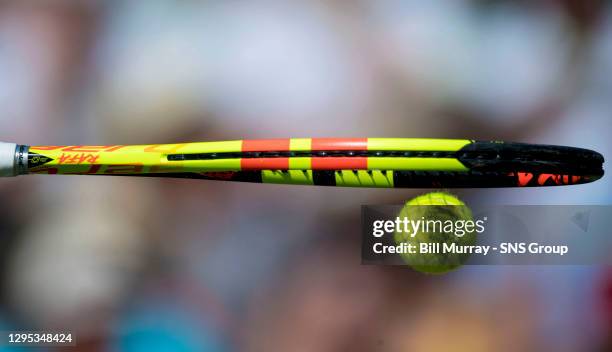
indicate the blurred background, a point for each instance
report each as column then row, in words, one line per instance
column 184, row 265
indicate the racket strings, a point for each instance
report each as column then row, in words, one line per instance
column 312, row 154
column 478, row 160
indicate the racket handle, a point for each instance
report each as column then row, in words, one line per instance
column 7, row 159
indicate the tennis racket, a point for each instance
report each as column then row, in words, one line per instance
column 353, row 162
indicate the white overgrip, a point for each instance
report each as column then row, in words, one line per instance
column 7, row 159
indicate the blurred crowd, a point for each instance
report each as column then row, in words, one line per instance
column 133, row 264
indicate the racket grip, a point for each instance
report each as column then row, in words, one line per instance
column 7, row 159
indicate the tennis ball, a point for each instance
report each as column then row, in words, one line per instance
column 442, row 219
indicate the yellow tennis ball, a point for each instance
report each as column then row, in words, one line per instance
column 441, row 219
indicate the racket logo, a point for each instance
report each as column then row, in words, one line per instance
column 529, row 179
column 77, row 158
column 35, row 160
